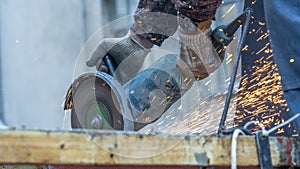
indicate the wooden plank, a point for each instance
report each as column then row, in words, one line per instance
column 118, row 148
column 115, row 167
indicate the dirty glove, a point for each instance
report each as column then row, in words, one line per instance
column 126, row 52
column 198, row 53
column 196, row 48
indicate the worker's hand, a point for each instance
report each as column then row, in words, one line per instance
column 196, row 49
column 198, row 53
column 127, row 53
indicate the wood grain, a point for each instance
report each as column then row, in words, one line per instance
column 119, row 148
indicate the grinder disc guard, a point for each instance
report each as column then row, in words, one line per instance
column 96, row 105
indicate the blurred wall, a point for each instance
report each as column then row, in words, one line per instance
column 40, row 42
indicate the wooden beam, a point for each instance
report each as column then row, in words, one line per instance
column 119, row 148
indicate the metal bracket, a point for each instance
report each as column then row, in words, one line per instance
column 247, row 13
column 263, row 151
column 296, row 152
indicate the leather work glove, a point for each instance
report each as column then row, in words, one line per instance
column 127, row 52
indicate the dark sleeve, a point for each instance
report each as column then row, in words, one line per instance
column 283, row 21
column 156, row 20
column 198, row 10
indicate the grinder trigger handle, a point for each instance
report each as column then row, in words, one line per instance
column 110, row 63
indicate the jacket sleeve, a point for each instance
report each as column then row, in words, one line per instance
column 156, row 20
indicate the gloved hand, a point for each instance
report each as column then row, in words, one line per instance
column 127, row 52
column 196, row 49
column 198, row 53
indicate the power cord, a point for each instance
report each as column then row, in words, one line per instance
column 265, row 132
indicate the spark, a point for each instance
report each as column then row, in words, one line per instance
column 228, row 11
column 228, row 60
column 207, row 83
column 245, row 48
column 259, row 97
column 263, row 48
column 229, row 56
